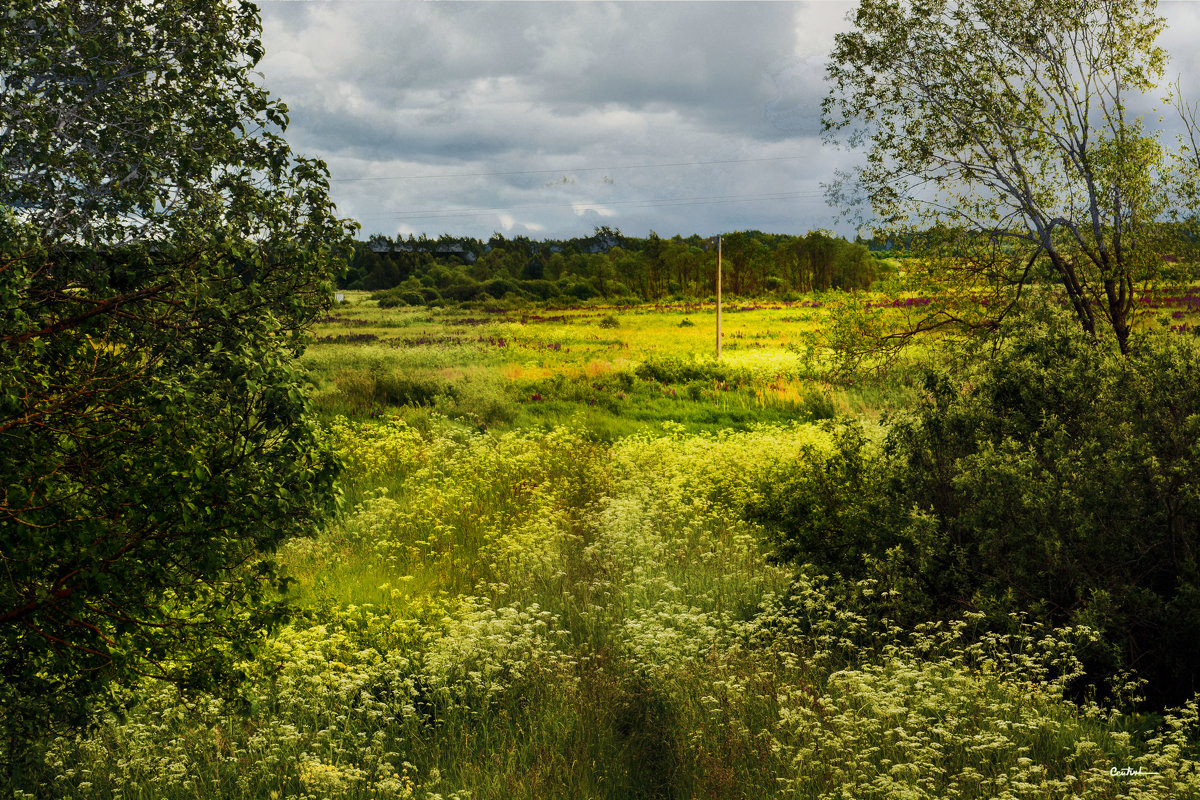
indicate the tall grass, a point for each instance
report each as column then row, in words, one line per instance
column 515, row 368
column 542, row 585
column 542, row 614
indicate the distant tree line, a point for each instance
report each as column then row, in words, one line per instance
column 418, row 271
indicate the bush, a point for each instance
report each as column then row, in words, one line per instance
column 1059, row 478
column 377, row 385
column 391, row 298
column 463, row 292
column 482, row 403
column 678, row 370
column 541, row 289
column 582, row 291
column 500, row 287
column 399, row 389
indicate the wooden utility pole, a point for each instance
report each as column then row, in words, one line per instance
column 718, row 298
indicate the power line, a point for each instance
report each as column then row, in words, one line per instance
column 561, row 170
column 650, row 203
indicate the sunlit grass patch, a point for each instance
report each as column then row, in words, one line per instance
column 526, row 372
column 497, row 364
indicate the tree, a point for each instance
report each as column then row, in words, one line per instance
column 740, row 250
column 819, row 250
column 855, row 266
column 1004, row 126
column 162, row 253
column 1059, row 479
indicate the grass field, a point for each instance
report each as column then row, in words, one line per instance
column 543, row 584
column 611, row 370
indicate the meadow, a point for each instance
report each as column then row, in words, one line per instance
column 612, row 370
column 544, row 583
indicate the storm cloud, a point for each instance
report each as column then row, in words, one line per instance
column 548, row 119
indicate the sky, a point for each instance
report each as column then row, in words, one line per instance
column 549, row 119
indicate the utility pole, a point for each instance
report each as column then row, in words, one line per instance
column 718, row 298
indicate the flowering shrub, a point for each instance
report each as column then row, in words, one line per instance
column 563, row 618
column 1057, row 478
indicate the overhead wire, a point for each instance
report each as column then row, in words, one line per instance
column 561, row 170
column 582, row 204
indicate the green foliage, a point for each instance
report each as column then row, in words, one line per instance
column 1001, row 132
column 647, row 269
column 582, row 290
column 1057, row 478
column 162, row 254
column 674, row 370
column 499, row 287
column 618, row 635
column 819, row 514
column 399, row 297
column 853, row 344
column 378, row 387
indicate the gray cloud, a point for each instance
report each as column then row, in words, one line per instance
column 555, row 90
column 796, row 108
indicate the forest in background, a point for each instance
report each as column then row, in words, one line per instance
column 423, row 271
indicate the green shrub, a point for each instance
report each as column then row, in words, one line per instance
column 679, row 370
column 481, row 402
column 540, row 289
column 388, row 298
column 500, row 287
column 582, row 291
column 376, row 385
column 1058, row 478
column 401, row 389
column 463, row 292
column 391, row 298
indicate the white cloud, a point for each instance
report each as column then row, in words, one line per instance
column 522, row 95
column 586, row 209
